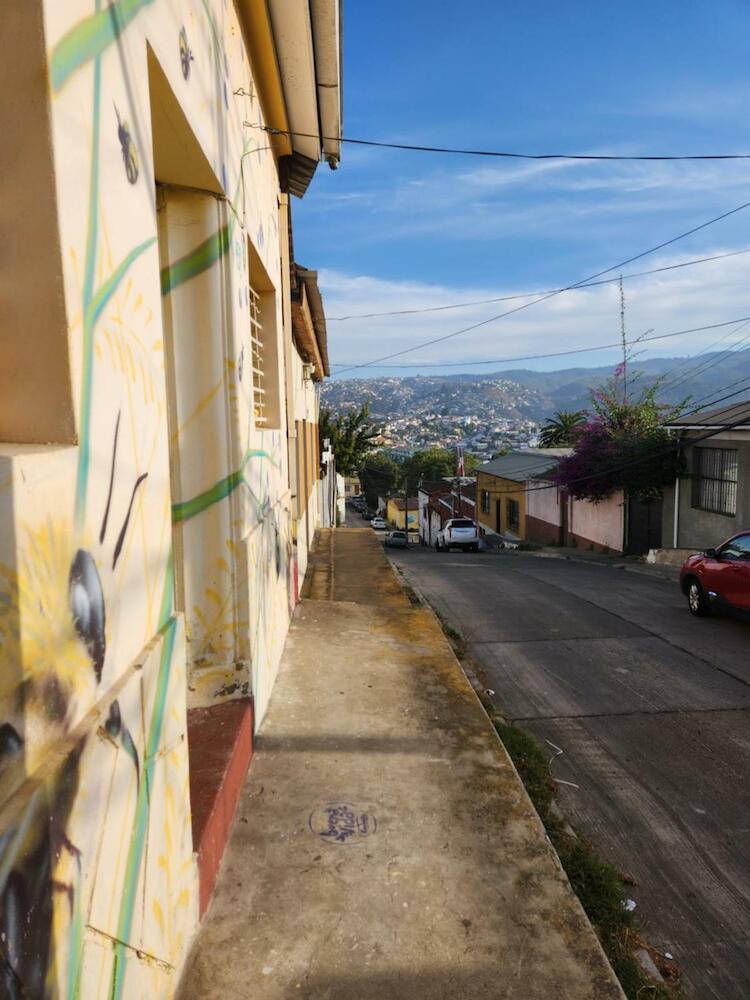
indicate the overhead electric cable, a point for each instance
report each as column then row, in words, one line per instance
column 547, row 297
column 664, row 452
column 556, row 354
column 709, row 363
column 721, row 399
column 731, row 385
column 501, row 154
column 528, row 295
column 675, row 374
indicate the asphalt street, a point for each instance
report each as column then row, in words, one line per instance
column 651, row 710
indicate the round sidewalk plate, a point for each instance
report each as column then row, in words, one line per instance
column 342, row 822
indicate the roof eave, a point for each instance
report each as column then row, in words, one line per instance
column 261, row 46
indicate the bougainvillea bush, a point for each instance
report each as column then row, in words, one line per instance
column 623, row 446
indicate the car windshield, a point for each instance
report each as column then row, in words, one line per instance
column 462, row 522
column 398, row 534
column 737, row 548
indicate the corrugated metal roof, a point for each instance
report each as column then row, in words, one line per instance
column 520, row 466
column 436, row 486
column 717, row 418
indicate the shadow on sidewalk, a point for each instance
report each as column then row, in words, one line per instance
column 385, row 847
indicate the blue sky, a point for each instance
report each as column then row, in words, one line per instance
column 399, row 230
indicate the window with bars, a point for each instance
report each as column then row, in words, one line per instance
column 485, row 501
column 513, row 510
column 258, row 369
column 715, row 480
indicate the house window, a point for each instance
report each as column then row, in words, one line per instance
column 715, row 480
column 485, row 501
column 258, row 361
column 513, row 512
column 262, row 353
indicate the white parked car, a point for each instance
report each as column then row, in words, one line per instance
column 458, row 533
column 379, row 524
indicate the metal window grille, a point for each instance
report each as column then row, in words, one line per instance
column 715, row 480
column 259, row 377
column 514, row 515
column 485, row 501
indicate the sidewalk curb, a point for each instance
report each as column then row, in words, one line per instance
column 669, row 574
column 467, row 665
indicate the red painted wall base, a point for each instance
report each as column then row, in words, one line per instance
column 220, row 745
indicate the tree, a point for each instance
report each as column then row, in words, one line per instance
column 561, row 430
column 432, row 464
column 379, row 476
column 625, row 446
column 422, row 466
column 352, row 436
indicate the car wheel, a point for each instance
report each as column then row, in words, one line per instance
column 697, row 603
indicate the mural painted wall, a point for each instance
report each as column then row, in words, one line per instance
column 151, row 565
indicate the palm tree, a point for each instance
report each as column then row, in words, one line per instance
column 560, row 431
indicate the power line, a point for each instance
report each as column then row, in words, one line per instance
column 721, row 399
column 555, row 354
column 745, row 388
column 501, row 154
column 677, row 376
column 711, row 362
column 664, row 452
column 527, row 295
column 550, row 295
column 658, row 454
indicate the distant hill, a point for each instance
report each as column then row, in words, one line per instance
column 524, row 394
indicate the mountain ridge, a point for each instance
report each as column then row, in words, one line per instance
column 522, row 393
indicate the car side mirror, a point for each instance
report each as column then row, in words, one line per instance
column 711, row 554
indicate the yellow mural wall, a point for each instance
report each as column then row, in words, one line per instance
column 149, row 565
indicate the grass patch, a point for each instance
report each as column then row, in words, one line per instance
column 531, row 764
column 596, row 883
column 411, row 594
column 454, row 637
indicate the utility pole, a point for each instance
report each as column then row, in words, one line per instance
column 457, row 481
column 624, row 344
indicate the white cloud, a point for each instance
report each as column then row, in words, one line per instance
column 672, row 301
column 545, row 199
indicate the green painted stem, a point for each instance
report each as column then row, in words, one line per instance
column 186, row 509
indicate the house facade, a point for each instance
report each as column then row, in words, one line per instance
column 502, row 489
column 712, row 501
column 403, row 513
column 555, row 518
column 352, row 487
column 159, row 465
column 441, row 500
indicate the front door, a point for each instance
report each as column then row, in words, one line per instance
column 499, row 517
column 644, row 526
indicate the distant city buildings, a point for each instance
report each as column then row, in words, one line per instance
column 483, row 418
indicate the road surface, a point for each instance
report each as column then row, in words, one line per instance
column 651, row 709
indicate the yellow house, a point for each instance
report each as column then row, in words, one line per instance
column 396, row 513
column 501, row 489
column 352, row 486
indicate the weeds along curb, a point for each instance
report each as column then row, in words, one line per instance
column 598, row 886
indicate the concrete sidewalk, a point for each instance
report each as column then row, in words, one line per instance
column 384, row 847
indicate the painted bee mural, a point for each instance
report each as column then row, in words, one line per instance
column 47, row 700
column 127, row 145
column 186, row 56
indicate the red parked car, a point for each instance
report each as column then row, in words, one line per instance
column 719, row 578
